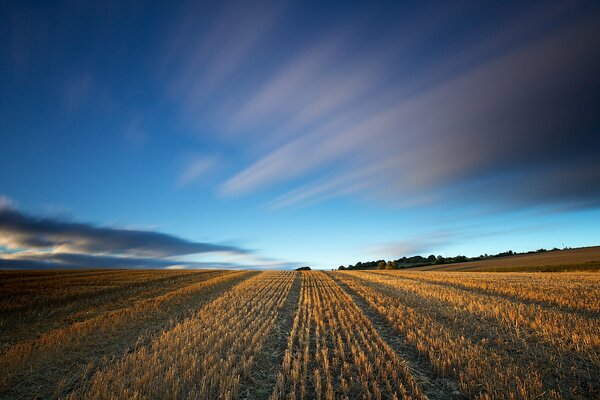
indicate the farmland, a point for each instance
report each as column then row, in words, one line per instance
column 299, row 335
column 580, row 259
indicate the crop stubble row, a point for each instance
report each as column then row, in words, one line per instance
column 60, row 360
column 488, row 335
column 494, row 347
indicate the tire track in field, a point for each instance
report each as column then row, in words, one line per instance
column 434, row 386
column 264, row 373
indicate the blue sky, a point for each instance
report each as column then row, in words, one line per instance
column 294, row 133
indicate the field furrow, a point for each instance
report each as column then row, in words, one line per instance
column 218, row 334
column 205, row 356
column 569, row 295
column 259, row 383
column 462, row 341
column 433, row 385
column 530, row 322
column 335, row 352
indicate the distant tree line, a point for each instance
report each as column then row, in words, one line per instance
column 419, row 261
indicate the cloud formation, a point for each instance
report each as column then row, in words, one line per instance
column 196, row 168
column 361, row 112
column 24, row 231
column 51, row 242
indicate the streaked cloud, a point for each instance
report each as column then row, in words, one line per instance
column 432, row 241
column 423, row 245
column 195, row 168
column 353, row 114
column 225, row 35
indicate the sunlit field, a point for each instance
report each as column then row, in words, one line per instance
column 299, row 335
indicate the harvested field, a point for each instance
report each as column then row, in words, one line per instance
column 299, row 335
column 581, row 259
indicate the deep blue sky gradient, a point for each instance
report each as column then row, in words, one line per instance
column 311, row 133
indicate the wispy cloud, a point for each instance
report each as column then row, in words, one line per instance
column 421, row 245
column 224, row 38
column 433, row 241
column 195, row 168
column 510, row 104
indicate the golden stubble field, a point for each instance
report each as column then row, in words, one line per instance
column 299, row 335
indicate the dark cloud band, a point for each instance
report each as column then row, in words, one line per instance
column 18, row 230
column 75, row 261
